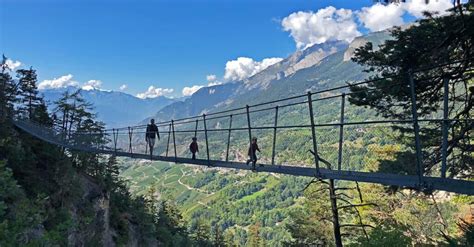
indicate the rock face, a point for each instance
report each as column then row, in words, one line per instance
column 313, row 55
column 299, row 60
column 94, row 203
column 356, row 43
column 376, row 38
column 96, row 228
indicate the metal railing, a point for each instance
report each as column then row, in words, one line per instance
column 190, row 125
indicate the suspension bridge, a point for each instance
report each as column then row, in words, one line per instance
column 249, row 121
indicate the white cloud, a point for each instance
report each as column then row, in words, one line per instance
column 188, row 91
column 92, row 84
column 12, row 64
column 212, row 81
column 417, row 7
column 63, row 81
column 211, row 78
column 153, row 92
column 123, row 87
column 309, row 28
column 244, row 67
column 379, row 16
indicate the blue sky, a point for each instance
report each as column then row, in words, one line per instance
column 164, row 44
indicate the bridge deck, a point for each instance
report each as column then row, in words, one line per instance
column 408, row 181
column 430, row 183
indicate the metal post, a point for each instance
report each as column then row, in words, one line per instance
column 416, row 128
column 207, row 142
column 313, row 132
column 341, row 132
column 274, row 135
column 130, row 134
column 445, row 127
column 228, row 139
column 196, row 128
column 174, row 142
column 250, row 132
column 115, row 135
column 168, row 143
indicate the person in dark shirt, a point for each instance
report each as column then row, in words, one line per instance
column 193, row 147
column 151, row 133
column 253, row 152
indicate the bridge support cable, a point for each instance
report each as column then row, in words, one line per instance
column 341, row 132
column 228, row 139
column 445, row 126
column 274, row 135
column 168, row 142
column 207, row 141
column 416, row 128
column 313, row 132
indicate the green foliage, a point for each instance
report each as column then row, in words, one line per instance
column 433, row 41
column 467, row 236
column 384, row 236
column 28, row 94
column 8, row 91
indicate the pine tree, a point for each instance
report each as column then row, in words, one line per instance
column 8, row 92
column 29, row 98
column 433, row 41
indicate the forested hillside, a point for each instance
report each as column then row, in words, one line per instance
column 50, row 196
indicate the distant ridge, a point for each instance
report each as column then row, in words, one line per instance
column 115, row 108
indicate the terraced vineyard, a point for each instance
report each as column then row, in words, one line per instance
column 233, row 200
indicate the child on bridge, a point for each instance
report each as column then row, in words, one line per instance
column 193, row 147
column 253, row 152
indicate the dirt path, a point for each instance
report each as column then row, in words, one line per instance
column 192, row 188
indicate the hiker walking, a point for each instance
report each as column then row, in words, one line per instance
column 253, row 152
column 193, row 147
column 151, row 133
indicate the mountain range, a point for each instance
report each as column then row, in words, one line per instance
column 318, row 67
column 115, row 109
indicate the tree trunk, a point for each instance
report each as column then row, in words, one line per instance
column 335, row 214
